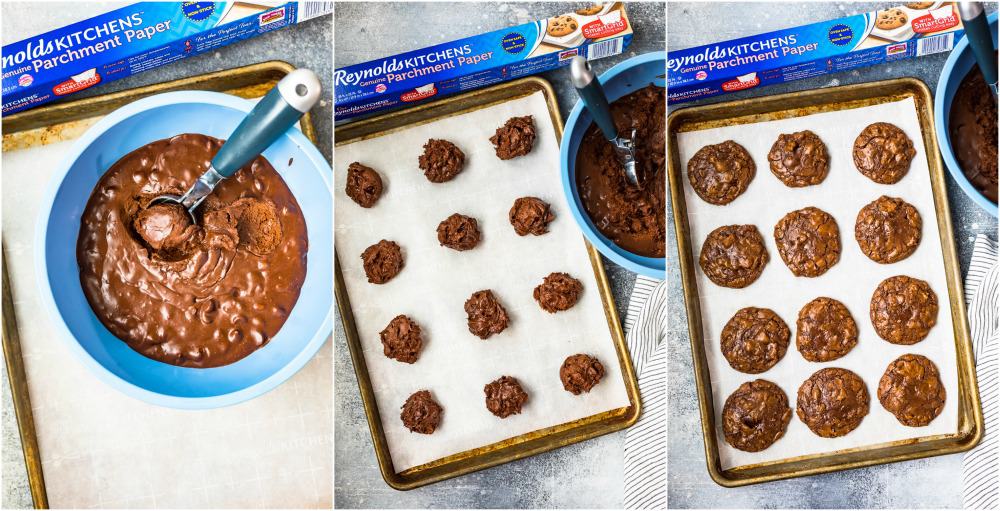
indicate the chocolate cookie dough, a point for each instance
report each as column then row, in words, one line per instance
column 755, row 416
column 421, row 413
column 579, row 373
column 809, row 241
column 733, row 255
column 382, row 261
column 530, row 215
column 904, row 309
column 364, row 185
column 825, row 330
column 911, row 389
column 459, row 232
column 888, row 229
column 441, row 161
column 202, row 294
column 883, row 153
column 558, row 292
column 754, row 339
column 832, row 402
column 401, row 339
column 719, row 173
column 631, row 216
column 504, row 396
column 799, row 159
column 973, row 132
column 515, row 138
column 485, row 314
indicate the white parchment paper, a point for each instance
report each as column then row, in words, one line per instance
column 852, row 281
column 103, row 449
column 436, row 281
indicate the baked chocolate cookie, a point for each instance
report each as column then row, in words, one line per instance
column 883, row 153
column 486, row 315
column 441, row 161
column 558, row 292
column 579, row 373
column 590, row 11
column 754, row 339
column 382, row 261
column 530, row 215
column 504, row 396
column 459, row 232
column 364, row 185
column 733, row 255
column 809, row 241
column 560, row 26
column 402, row 340
column 515, row 138
column 832, row 402
column 888, row 229
column 911, row 389
column 903, row 309
column 719, row 173
column 890, row 19
column 919, row 5
column 825, row 330
column 421, row 413
column 799, row 159
column 755, row 416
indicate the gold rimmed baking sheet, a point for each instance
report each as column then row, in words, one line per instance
column 64, row 122
column 484, row 101
column 794, row 105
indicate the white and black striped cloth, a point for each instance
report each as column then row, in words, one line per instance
column 981, row 466
column 646, row 441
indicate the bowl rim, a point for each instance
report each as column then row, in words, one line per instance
column 41, row 265
column 940, row 124
column 647, row 266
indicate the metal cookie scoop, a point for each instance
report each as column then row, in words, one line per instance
column 592, row 94
column 276, row 112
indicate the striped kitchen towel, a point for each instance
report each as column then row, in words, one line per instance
column 646, row 441
column 981, row 466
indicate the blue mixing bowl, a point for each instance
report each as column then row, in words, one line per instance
column 958, row 65
column 110, row 359
column 626, row 77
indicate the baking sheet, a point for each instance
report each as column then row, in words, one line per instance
column 101, row 448
column 436, row 281
column 852, row 281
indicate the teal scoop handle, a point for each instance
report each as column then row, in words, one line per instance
column 273, row 115
column 977, row 30
column 593, row 97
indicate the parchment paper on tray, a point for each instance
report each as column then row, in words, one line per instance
column 102, row 449
column 436, row 281
column 851, row 281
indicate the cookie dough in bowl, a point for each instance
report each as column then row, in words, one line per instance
column 625, row 222
column 172, row 265
column 190, row 294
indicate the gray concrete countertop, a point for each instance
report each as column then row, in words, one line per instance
column 304, row 45
column 585, row 475
column 926, row 483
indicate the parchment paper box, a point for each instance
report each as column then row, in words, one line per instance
column 478, row 61
column 132, row 39
column 812, row 50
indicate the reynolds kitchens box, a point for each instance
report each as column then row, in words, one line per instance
column 409, row 78
column 912, row 30
column 133, row 39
